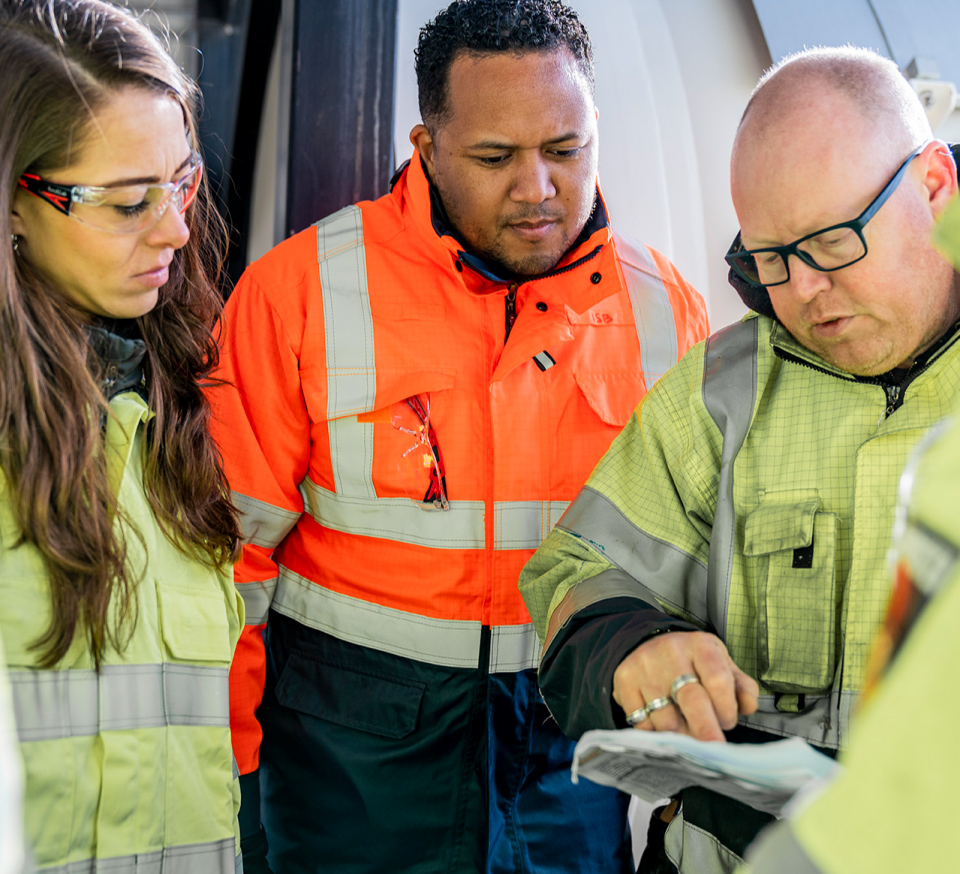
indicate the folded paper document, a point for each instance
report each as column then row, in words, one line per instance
column 655, row 765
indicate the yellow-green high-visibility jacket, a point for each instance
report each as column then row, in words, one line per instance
column 128, row 769
column 752, row 495
column 893, row 808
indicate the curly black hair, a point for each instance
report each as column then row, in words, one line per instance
column 486, row 26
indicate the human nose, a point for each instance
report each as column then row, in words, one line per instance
column 533, row 183
column 806, row 282
column 170, row 231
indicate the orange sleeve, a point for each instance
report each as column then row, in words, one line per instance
column 262, row 427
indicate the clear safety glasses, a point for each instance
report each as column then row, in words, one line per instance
column 120, row 209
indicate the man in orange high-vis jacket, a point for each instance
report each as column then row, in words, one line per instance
column 415, row 389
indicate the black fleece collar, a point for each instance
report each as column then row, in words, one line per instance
column 120, row 351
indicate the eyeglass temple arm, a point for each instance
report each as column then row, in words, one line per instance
column 57, row 195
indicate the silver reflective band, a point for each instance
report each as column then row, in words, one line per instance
column 217, row 857
column 514, row 648
column 449, row 642
column 256, row 600
column 729, row 394
column 351, row 457
column 453, row 643
column 263, row 524
column 612, row 583
column 517, row 524
column 401, row 519
column 652, row 312
column 347, row 322
column 524, row 524
column 695, row 851
column 50, row 705
column 824, row 722
column 664, row 573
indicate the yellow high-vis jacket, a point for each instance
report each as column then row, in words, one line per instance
column 891, row 809
column 751, row 495
column 129, row 768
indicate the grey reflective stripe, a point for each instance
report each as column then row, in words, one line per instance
column 778, row 852
column 447, row 642
column 651, row 565
column 348, row 340
column 256, row 600
column 263, row 524
column 652, row 312
column 348, row 325
column 514, row 648
column 604, row 586
column 729, row 395
column 49, row 705
column 216, row 857
column 351, row 456
column 824, row 722
column 459, row 527
column 238, row 864
column 695, row 850
column 524, row 524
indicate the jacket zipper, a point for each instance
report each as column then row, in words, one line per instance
column 510, row 314
column 510, row 308
column 893, row 399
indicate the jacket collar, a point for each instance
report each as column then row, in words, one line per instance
column 783, row 341
column 120, row 353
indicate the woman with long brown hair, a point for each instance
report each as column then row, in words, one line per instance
column 117, row 609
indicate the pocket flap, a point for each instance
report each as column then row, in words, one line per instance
column 612, row 395
column 387, row 706
column 781, row 521
column 194, row 623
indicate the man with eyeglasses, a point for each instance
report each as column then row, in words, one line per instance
column 723, row 571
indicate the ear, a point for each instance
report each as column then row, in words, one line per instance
column 940, row 179
column 16, row 220
column 422, row 141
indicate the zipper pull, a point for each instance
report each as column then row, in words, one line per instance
column 893, row 395
column 510, row 308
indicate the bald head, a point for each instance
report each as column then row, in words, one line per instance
column 820, row 91
column 819, row 142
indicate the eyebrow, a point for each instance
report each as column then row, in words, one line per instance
column 144, row 180
column 495, row 145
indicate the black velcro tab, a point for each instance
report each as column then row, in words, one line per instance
column 803, row 557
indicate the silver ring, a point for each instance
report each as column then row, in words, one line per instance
column 680, row 682
column 637, row 716
column 658, row 704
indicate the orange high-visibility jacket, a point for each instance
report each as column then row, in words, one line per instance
column 327, row 337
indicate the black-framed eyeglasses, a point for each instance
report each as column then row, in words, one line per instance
column 119, row 209
column 826, row 250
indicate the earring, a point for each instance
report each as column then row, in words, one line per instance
column 16, row 242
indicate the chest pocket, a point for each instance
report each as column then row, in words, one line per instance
column 194, row 624
column 794, row 546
